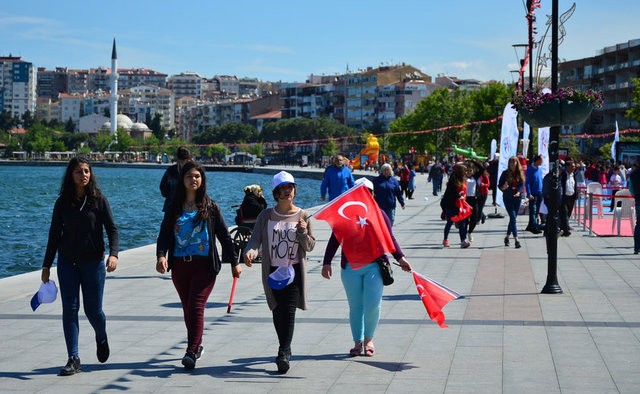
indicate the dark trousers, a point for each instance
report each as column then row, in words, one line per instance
column 482, row 200
column 194, row 282
column 462, row 225
column 284, row 314
column 566, row 209
column 90, row 278
column 473, row 219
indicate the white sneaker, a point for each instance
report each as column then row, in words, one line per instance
column 470, row 238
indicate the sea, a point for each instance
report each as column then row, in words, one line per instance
column 28, row 193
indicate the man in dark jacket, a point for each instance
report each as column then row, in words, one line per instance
column 435, row 176
column 171, row 177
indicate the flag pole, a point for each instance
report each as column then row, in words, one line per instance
column 233, row 292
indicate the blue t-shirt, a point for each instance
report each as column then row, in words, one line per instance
column 190, row 239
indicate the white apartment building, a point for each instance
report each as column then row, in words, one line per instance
column 17, row 86
column 140, row 101
column 186, row 84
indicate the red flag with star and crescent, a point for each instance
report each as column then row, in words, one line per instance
column 358, row 225
column 434, row 296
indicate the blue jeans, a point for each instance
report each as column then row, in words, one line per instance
column 364, row 294
column 512, row 205
column 90, row 277
column 534, row 208
column 462, row 225
column 391, row 214
column 636, row 230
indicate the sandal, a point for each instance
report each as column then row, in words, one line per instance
column 369, row 350
column 357, row 350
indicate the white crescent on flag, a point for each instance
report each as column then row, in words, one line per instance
column 349, row 203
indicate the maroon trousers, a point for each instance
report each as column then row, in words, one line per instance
column 194, row 282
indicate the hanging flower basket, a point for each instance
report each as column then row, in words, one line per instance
column 558, row 113
column 564, row 107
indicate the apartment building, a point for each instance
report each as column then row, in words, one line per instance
column 186, row 84
column 305, row 100
column 142, row 101
column 611, row 71
column 17, row 85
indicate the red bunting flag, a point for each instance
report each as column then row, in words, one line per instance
column 358, row 225
column 434, row 296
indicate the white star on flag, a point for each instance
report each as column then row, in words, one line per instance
column 362, row 221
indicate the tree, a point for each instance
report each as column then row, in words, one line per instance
column 27, row 119
column 59, row 146
column 227, row 133
column 103, row 140
column 156, row 126
column 634, row 112
column 70, row 126
column 124, row 142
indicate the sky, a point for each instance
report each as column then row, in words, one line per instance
column 287, row 40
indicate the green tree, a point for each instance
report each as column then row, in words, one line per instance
column 103, row 140
column 217, row 150
column 155, row 125
column 41, row 143
column 634, row 111
column 27, row 119
column 70, row 126
column 227, row 133
column 59, row 146
column 124, row 142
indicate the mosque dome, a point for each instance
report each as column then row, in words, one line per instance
column 106, row 126
column 124, row 122
column 139, row 126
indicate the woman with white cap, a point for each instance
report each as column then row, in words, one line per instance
column 363, row 285
column 283, row 233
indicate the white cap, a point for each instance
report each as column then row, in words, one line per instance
column 281, row 277
column 282, row 178
column 364, row 181
column 46, row 293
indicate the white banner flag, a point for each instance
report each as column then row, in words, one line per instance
column 543, row 148
column 616, row 138
column 508, row 143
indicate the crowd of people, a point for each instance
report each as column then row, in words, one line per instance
column 282, row 236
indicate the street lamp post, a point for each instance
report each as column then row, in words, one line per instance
column 552, row 286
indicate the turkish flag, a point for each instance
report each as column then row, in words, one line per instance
column 358, row 225
column 434, row 296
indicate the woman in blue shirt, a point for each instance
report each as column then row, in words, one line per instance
column 186, row 246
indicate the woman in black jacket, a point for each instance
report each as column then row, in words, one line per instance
column 79, row 215
column 186, row 246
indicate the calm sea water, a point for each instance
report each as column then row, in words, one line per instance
column 27, row 196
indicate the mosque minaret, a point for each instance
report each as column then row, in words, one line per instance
column 114, row 89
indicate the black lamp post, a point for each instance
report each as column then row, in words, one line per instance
column 552, row 286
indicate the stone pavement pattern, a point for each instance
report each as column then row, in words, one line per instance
column 503, row 337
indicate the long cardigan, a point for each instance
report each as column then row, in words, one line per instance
column 260, row 239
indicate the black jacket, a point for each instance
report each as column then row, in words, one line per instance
column 168, row 185
column 76, row 234
column 217, row 229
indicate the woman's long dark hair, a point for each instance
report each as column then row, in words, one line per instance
column 458, row 174
column 204, row 204
column 68, row 187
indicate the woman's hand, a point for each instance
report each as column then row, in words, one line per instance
column 404, row 264
column 161, row 265
column 236, row 270
column 249, row 257
column 326, row 271
column 301, row 226
column 45, row 274
column 112, row 263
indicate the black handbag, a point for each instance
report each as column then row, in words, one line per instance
column 385, row 271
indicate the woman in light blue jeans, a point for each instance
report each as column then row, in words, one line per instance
column 363, row 286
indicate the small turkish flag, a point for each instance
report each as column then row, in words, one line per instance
column 434, row 296
column 358, row 225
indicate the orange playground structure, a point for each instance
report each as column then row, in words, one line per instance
column 368, row 155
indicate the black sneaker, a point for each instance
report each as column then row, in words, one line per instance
column 199, row 352
column 102, row 350
column 282, row 361
column 189, row 360
column 72, row 367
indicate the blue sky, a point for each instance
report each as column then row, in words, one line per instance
column 286, row 40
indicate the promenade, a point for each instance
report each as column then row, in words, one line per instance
column 503, row 337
